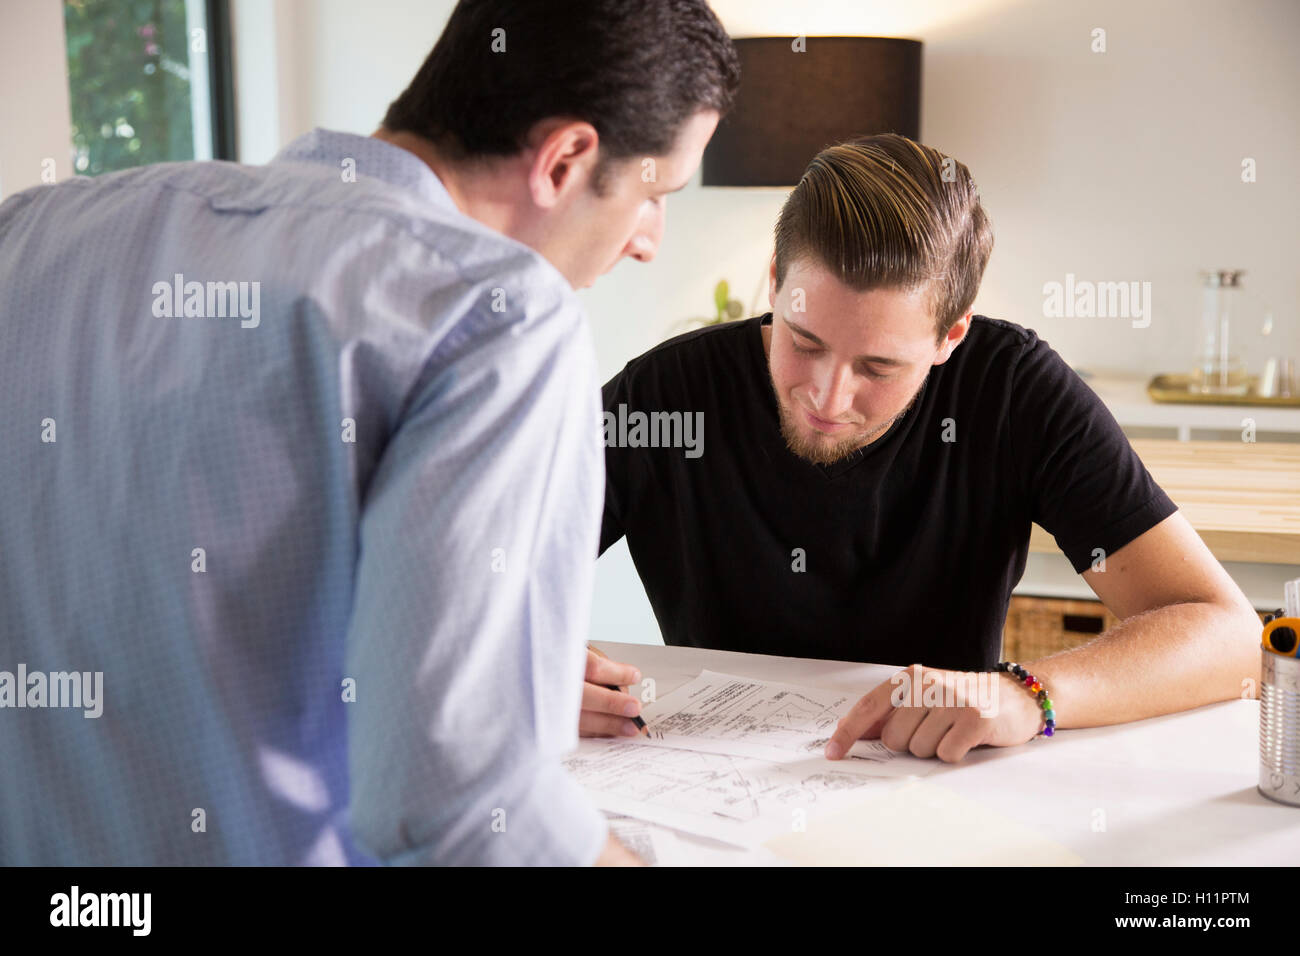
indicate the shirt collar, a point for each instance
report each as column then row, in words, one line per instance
column 373, row 157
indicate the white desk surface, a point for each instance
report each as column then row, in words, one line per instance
column 1177, row 790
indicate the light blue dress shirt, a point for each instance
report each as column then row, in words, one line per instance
column 328, row 532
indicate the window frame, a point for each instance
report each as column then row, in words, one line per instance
column 221, row 81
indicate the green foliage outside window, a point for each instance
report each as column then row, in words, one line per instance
column 129, row 79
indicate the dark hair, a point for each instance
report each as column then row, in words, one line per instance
column 885, row 212
column 634, row 69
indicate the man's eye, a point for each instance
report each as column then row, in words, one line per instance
column 870, row 373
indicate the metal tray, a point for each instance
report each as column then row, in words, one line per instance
column 1176, row 388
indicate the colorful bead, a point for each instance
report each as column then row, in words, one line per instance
column 1036, row 688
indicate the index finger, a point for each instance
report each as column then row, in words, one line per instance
column 871, row 708
column 601, row 670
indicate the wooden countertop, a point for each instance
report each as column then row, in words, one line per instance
column 1243, row 498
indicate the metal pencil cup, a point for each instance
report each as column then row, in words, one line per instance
column 1279, row 723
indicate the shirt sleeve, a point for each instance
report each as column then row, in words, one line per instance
column 1083, row 481
column 472, row 602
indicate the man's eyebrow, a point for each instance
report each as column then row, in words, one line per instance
column 876, row 359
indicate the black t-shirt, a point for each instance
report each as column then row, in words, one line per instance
column 905, row 552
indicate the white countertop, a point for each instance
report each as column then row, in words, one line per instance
column 1126, row 397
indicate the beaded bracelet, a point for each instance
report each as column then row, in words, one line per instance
column 1037, row 689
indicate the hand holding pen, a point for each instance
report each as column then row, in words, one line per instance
column 607, row 709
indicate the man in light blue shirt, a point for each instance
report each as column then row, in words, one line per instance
column 304, row 471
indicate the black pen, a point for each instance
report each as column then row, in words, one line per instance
column 636, row 720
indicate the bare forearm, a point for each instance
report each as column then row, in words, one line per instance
column 1158, row 662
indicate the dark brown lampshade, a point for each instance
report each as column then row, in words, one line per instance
column 793, row 105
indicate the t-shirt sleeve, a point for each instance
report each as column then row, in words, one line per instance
column 1083, row 481
column 617, row 491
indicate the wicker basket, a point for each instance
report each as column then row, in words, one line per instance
column 1037, row 627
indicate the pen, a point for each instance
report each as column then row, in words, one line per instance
column 636, row 720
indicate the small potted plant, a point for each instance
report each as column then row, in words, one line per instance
column 726, row 308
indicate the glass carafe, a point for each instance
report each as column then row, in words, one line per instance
column 1218, row 371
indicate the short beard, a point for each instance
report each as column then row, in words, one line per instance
column 820, row 453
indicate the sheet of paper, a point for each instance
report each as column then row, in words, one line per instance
column 649, row 842
column 661, row 846
column 746, row 717
column 735, row 799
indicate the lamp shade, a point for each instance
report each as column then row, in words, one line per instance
column 792, row 105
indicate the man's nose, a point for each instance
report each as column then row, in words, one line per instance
column 645, row 241
column 641, row 248
column 832, row 393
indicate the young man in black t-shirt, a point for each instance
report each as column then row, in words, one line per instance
column 853, row 476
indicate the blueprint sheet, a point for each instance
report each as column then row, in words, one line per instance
column 745, row 717
column 737, row 760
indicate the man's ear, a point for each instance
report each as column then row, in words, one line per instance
column 954, row 338
column 564, row 156
column 771, row 283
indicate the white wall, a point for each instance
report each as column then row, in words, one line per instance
column 35, row 117
column 1123, row 165
column 1127, row 164
column 348, row 60
column 1116, row 166
column 1112, row 166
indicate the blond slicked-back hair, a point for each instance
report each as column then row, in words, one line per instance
column 884, row 212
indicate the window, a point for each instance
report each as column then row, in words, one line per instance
column 149, row 81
